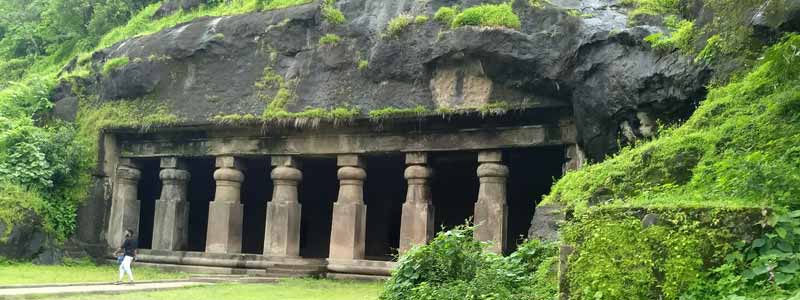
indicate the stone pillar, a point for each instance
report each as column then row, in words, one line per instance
column 491, row 210
column 348, row 231
column 282, row 233
column 124, row 202
column 171, row 222
column 416, row 225
column 225, row 213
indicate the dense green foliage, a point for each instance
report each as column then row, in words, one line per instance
column 329, row 39
column 488, row 15
column 738, row 149
column 455, row 266
column 46, row 164
column 332, row 14
column 445, row 15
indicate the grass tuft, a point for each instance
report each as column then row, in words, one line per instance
column 115, row 64
column 488, row 15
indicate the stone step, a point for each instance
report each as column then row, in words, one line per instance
column 356, row 277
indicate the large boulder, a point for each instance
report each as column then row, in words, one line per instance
column 27, row 241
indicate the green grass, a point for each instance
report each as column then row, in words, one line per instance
column 291, row 289
column 25, row 273
column 445, row 15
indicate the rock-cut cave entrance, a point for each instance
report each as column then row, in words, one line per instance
column 256, row 192
column 200, row 193
column 384, row 194
column 532, row 173
column 317, row 192
column 148, row 190
column 454, row 188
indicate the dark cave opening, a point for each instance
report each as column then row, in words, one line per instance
column 256, row 191
column 532, row 173
column 148, row 190
column 317, row 193
column 384, row 194
column 454, row 188
column 200, row 193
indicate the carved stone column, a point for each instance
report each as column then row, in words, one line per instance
column 171, row 222
column 225, row 213
column 282, row 233
column 416, row 225
column 348, row 231
column 491, row 210
column 124, row 202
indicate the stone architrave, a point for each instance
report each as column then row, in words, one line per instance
column 416, row 225
column 171, row 222
column 225, row 213
column 348, row 231
column 282, row 233
column 124, row 202
column 491, row 210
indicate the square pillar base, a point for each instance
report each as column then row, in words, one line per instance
column 416, row 225
column 170, row 227
column 124, row 215
column 490, row 225
column 282, row 234
column 348, row 231
column 224, row 227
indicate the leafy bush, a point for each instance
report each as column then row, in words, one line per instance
column 455, row 266
column 114, row 64
column 329, row 39
column 332, row 14
column 398, row 24
column 488, row 15
column 445, row 15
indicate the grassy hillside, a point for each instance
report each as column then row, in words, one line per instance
column 740, row 148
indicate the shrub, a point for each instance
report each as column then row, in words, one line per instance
column 681, row 37
column 488, row 15
column 329, row 39
column 419, row 20
column 363, row 65
column 332, row 14
column 455, row 266
column 445, row 15
column 114, row 64
column 398, row 24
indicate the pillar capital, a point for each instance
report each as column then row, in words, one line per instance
column 283, row 173
column 230, row 162
column 229, row 174
column 173, row 163
column 174, row 175
column 492, row 170
column 417, row 172
column 128, row 173
column 416, row 158
column 350, row 160
column 490, row 156
column 285, row 161
column 351, row 173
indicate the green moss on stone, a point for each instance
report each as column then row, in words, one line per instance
column 114, row 64
column 488, row 15
column 445, row 15
column 329, row 39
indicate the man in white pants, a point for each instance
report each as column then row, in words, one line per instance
column 129, row 249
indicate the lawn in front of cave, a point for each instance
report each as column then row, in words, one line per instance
column 75, row 272
column 289, row 289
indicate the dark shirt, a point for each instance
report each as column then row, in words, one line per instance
column 129, row 246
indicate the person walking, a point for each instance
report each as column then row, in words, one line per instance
column 128, row 252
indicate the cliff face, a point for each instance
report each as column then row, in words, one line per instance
column 568, row 53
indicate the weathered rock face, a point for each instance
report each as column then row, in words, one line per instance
column 592, row 62
column 27, row 241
